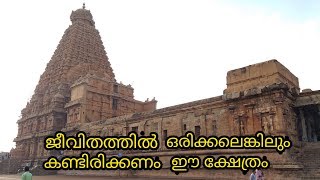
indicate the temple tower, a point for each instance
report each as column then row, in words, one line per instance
column 77, row 86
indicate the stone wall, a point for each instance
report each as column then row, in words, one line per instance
column 260, row 75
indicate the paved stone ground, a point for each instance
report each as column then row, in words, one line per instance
column 17, row 177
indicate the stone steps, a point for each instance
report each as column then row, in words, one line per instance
column 310, row 158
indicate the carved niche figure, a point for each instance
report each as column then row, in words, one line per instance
column 242, row 127
column 42, row 124
column 34, row 126
column 271, row 123
column 239, row 125
column 29, row 126
column 214, row 127
column 50, row 122
column 267, row 124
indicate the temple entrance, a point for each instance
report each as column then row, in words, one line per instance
column 309, row 123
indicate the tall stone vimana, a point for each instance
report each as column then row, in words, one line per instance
column 78, row 92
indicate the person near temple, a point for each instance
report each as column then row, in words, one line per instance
column 26, row 175
column 259, row 174
column 253, row 175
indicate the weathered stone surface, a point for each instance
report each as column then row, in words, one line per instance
column 260, row 74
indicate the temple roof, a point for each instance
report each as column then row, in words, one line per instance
column 83, row 15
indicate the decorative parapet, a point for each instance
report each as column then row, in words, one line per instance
column 308, row 98
column 256, row 91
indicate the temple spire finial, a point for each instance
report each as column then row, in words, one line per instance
column 83, row 5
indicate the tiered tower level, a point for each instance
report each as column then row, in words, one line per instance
column 78, row 92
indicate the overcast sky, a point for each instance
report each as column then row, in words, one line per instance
column 174, row 50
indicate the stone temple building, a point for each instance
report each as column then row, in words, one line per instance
column 78, row 91
column 4, row 156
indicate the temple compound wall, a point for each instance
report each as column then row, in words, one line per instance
column 78, row 92
column 262, row 105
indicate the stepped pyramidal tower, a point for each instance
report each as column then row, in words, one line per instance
column 78, row 86
column 78, row 92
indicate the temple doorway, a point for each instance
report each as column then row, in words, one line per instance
column 308, row 123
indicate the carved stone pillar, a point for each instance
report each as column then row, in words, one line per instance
column 235, row 125
column 311, row 128
column 271, row 121
column 250, row 121
column 303, row 126
column 264, row 123
column 40, row 148
column 242, row 127
column 203, row 123
column 232, row 118
column 257, row 121
column 279, row 125
column 181, row 126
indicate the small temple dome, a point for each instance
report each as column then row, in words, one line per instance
column 82, row 15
